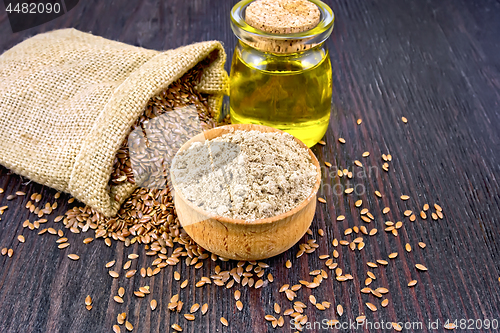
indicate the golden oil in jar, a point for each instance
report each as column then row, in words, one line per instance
column 291, row 92
column 281, row 74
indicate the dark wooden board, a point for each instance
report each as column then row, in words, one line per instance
column 434, row 62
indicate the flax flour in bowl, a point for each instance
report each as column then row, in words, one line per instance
column 255, row 181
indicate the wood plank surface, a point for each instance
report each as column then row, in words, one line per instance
column 434, row 62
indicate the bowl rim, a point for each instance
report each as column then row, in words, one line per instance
column 267, row 220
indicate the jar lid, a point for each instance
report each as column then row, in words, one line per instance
column 282, row 26
column 282, row 16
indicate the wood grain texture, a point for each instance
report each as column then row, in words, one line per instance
column 434, row 62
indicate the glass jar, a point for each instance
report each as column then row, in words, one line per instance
column 282, row 80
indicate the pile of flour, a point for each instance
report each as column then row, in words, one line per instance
column 245, row 175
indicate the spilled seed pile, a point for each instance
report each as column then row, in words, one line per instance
column 148, row 218
column 245, row 175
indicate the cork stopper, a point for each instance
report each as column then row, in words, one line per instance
column 282, row 17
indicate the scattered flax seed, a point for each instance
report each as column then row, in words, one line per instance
column 87, row 240
column 204, row 308
column 321, row 232
column 328, row 164
column 190, row 317
column 21, row 239
column 438, row 208
column 421, row 267
column 412, row 283
column 359, row 121
column 10, row 253
column 118, row 299
column 277, row 308
column 408, row 247
column 422, row 245
column 405, row 197
column 371, row 306
column 11, row 197
column 288, row 264
column 397, row 327
column 341, row 140
column 321, row 200
column 340, row 218
column 378, row 194
column 349, row 190
column 114, row 274
column 88, row 307
column 450, row 326
column 184, row 284
column 360, row 319
column 128, row 326
column 63, row 245
column 133, row 256
column 434, row 216
column 224, row 321
column 194, row 308
column 127, row 265
column 358, row 163
column 384, row 302
column 373, row 232
column 116, row 329
column 20, row 193
column 73, row 256
column 371, row 264
column 270, row 277
column 358, row 203
column 413, row 218
column 382, row 262
column 423, row 215
column 177, row 327
column 121, row 291
column 426, row 207
column 270, row 318
column 88, row 300
column 366, row 154
column 153, row 304
column 407, row 213
column 110, row 264
column 404, row 120
column 393, row 255
column 340, row 310
column 258, row 284
column 386, row 210
column 321, row 142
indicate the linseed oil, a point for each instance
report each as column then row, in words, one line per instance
column 291, row 92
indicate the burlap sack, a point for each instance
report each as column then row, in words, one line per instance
column 68, row 100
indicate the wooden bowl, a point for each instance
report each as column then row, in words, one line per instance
column 238, row 239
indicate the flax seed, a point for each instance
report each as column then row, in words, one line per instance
column 421, row 267
column 153, row 304
column 114, row 274
column 408, row 247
